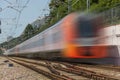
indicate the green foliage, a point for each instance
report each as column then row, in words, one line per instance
column 103, row 5
column 80, row 5
column 1, row 52
column 29, row 31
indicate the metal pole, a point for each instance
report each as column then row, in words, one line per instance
column 69, row 6
column 88, row 4
column 0, row 26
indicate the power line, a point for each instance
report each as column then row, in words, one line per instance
column 19, row 15
column 44, row 9
column 8, row 2
column 75, row 2
column 13, row 8
column 25, row 5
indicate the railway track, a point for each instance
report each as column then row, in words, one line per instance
column 34, row 67
column 108, row 67
column 91, row 73
column 55, row 69
column 51, row 73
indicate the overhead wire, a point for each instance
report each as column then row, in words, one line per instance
column 75, row 2
column 44, row 9
column 19, row 15
column 8, row 2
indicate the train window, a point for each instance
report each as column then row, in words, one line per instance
column 56, row 37
column 41, row 42
column 48, row 39
column 37, row 43
column 85, row 28
column 118, row 35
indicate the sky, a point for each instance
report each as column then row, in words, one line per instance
column 16, row 14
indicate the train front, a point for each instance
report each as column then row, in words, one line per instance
column 82, row 38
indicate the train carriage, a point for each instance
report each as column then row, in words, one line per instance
column 77, row 37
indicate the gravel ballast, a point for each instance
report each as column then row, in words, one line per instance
column 12, row 71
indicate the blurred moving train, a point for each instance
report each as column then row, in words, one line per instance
column 77, row 37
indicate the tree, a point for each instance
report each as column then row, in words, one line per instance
column 29, row 31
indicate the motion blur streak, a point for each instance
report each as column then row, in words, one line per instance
column 81, row 34
column 78, row 37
